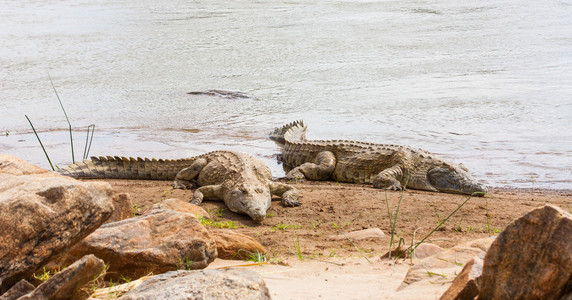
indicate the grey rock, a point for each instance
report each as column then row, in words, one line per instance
column 42, row 214
column 204, row 284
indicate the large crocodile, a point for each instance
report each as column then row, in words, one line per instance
column 240, row 180
column 390, row 167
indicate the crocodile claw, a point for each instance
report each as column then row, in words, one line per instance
column 184, row 184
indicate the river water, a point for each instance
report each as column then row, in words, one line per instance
column 487, row 83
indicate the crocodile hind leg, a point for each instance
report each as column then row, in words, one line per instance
column 321, row 169
column 288, row 193
column 185, row 179
column 207, row 191
column 387, row 179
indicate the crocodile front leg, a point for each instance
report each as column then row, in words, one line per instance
column 321, row 169
column 208, row 191
column 185, row 179
column 387, row 179
column 288, row 193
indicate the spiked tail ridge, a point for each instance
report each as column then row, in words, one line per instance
column 115, row 167
column 295, row 131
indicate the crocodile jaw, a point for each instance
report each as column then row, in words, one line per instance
column 454, row 179
column 252, row 200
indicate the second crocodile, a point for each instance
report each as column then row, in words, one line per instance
column 385, row 166
column 240, row 180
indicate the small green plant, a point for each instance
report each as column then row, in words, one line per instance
column 316, row 225
column 167, row 192
column 45, row 274
column 332, row 253
column 297, row 249
column 282, row 226
column 533, row 180
column 186, row 264
column 490, row 229
column 218, row 224
column 256, row 256
column 7, row 132
column 215, row 212
column 136, row 210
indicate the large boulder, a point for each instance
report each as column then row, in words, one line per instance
column 43, row 213
column 159, row 241
column 234, row 245
column 71, row 282
column 204, row 284
column 531, row 258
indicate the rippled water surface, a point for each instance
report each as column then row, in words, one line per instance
column 486, row 83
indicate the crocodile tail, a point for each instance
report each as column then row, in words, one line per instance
column 125, row 168
column 295, row 131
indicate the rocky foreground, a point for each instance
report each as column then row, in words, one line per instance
column 90, row 235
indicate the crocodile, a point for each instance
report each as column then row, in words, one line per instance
column 386, row 166
column 242, row 181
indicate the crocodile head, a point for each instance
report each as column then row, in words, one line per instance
column 452, row 178
column 251, row 199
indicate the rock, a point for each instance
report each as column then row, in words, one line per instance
column 123, row 207
column 465, row 285
column 203, row 284
column 360, row 235
column 531, row 258
column 234, row 245
column 159, row 241
column 182, row 206
column 70, row 282
column 18, row 290
column 426, row 249
column 43, row 213
column 435, row 273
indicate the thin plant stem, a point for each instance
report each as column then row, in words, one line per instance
column 69, row 124
column 443, row 222
column 42, row 145
column 87, row 148
column 357, row 248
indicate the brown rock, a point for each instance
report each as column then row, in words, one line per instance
column 43, row 213
column 465, row 285
column 426, row 249
column 203, row 284
column 123, row 207
column 70, row 282
column 360, row 235
column 444, row 266
column 182, row 206
column 531, row 258
column 234, row 245
column 18, row 290
column 160, row 241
